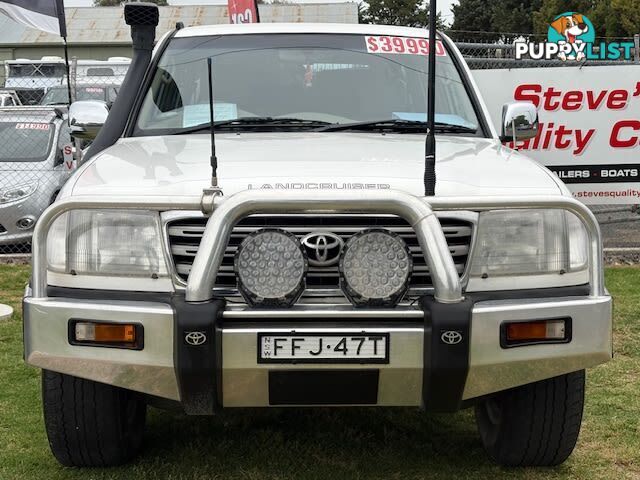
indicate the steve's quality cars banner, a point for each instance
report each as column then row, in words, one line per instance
column 589, row 125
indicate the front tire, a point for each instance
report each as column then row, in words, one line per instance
column 533, row 425
column 91, row 424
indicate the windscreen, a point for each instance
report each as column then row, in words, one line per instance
column 317, row 77
column 60, row 96
column 25, row 141
column 56, row 96
column 36, row 70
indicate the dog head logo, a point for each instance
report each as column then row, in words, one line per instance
column 572, row 31
column 570, row 26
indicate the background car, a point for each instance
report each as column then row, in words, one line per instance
column 59, row 95
column 32, row 167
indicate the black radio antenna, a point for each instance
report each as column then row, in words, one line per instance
column 212, row 129
column 430, row 146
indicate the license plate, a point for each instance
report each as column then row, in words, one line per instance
column 361, row 347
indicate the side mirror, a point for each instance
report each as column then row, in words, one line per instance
column 519, row 122
column 86, row 118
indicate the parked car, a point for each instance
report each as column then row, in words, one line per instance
column 9, row 98
column 32, row 167
column 60, row 95
column 326, row 274
column 31, row 78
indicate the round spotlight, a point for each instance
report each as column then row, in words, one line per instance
column 270, row 266
column 375, row 268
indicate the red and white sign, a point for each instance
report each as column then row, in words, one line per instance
column 67, row 156
column 402, row 45
column 589, row 125
column 243, row 11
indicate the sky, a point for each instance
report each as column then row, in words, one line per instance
column 444, row 6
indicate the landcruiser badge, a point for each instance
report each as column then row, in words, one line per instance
column 451, row 337
column 323, row 248
column 195, row 338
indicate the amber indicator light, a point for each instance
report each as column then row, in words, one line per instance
column 538, row 331
column 109, row 334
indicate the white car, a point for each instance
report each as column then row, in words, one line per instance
column 315, row 272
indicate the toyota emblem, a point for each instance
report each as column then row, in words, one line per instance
column 195, row 338
column 451, row 337
column 323, row 248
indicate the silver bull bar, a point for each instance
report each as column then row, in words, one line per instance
column 225, row 212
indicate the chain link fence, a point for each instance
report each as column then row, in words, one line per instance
column 490, row 50
column 37, row 155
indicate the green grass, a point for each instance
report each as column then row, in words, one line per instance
column 330, row 444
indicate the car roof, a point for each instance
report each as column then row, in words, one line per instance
column 85, row 85
column 328, row 28
column 38, row 114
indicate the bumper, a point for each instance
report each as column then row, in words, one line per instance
column 421, row 371
column 31, row 208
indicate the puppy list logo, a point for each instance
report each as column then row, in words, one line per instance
column 572, row 36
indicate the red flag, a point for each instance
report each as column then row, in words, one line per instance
column 244, row 11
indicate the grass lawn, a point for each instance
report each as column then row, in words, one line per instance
column 330, row 444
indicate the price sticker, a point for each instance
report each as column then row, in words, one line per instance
column 32, row 126
column 402, row 45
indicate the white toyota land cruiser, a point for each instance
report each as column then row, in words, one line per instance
column 314, row 270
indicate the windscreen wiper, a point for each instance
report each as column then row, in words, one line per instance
column 257, row 122
column 396, row 124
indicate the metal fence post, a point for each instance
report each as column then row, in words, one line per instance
column 73, row 75
column 636, row 49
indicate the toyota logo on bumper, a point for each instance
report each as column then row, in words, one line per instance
column 195, row 338
column 323, row 248
column 451, row 337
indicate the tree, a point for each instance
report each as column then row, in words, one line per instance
column 627, row 15
column 610, row 18
column 503, row 16
column 116, row 3
column 552, row 8
column 473, row 15
column 408, row 13
column 514, row 16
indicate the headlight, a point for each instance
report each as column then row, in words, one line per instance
column 17, row 193
column 375, row 267
column 529, row 242
column 271, row 266
column 107, row 242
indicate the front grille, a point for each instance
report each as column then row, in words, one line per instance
column 185, row 235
